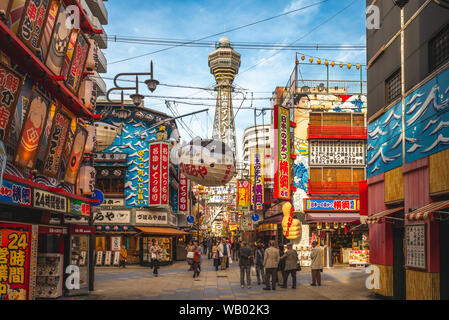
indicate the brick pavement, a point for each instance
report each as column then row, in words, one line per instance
column 176, row 283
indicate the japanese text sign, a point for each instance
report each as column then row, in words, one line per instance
column 49, row 201
column 243, row 198
column 34, row 16
column 331, row 204
column 159, row 172
column 183, row 196
column 282, row 153
column 15, row 193
column 257, row 179
column 10, row 86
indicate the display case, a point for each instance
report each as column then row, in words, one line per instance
column 166, row 244
column 49, row 275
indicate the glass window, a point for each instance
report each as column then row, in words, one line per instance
column 393, row 87
column 439, row 49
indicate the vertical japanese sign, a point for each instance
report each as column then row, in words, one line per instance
column 75, row 74
column 33, row 19
column 32, row 130
column 69, row 54
column 10, row 86
column 48, row 28
column 140, row 178
column 56, row 143
column 282, row 153
column 183, row 196
column 164, row 174
column 243, row 194
column 15, row 262
column 257, row 179
column 76, row 156
column 155, row 174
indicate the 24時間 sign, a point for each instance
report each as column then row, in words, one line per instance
column 183, row 196
column 243, row 189
column 159, row 163
column 282, row 153
column 257, row 184
column 332, row 205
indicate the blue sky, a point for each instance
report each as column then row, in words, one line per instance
column 197, row 19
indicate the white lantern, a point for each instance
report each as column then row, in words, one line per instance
column 207, row 162
column 88, row 94
column 91, row 139
column 87, row 176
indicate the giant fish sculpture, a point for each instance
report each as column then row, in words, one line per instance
column 206, row 162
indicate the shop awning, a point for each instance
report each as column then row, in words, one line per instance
column 333, row 217
column 375, row 218
column 425, row 212
column 162, row 231
column 273, row 220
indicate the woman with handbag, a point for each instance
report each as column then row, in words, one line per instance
column 155, row 251
column 190, row 255
column 196, row 262
column 216, row 255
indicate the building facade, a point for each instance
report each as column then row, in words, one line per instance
column 407, row 166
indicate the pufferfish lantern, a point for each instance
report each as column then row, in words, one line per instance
column 207, row 162
column 291, row 227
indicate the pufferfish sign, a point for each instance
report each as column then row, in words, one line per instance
column 291, row 227
column 206, row 162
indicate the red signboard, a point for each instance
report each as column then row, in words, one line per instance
column 34, row 16
column 183, row 196
column 243, row 199
column 155, row 174
column 10, row 85
column 79, row 58
column 164, row 174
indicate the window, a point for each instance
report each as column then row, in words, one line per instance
column 393, row 87
column 110, row 185
column 439, row 49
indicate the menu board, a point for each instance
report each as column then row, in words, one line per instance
column 359, row 257
column 346, row 153
column 415, row 237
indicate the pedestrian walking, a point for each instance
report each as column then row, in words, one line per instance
column 225, row 251
column 316, row 266
column 216, row 255
column 123, row 257
column 196, row 261
column 155, row 251
column 259, row 253
column 270, row 263
column 290, row 258
column 205, row 245
column 190, row 255
column 200, row 252
column 245, row 264
column 210, row 244
column 281, row 267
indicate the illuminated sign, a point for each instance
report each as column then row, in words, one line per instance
column 331, row 205
column 282, row 153
column 243, row 198
column 257, row 179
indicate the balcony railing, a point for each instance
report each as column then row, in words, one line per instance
column 333, row 187
column 333, row 132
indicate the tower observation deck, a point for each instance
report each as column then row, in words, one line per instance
column 224, row 64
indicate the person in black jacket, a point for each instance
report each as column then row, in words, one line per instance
column 281, row 266
column 245, row 263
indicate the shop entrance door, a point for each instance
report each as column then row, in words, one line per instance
column 444, row 260
column 399, row 281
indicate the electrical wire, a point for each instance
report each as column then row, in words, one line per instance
column 220, row 33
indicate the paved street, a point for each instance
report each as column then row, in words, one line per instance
column 176, row 283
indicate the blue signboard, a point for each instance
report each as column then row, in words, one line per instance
column 15, row 193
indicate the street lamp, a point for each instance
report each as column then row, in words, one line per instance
column 136, row 97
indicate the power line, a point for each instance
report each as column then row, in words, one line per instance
column 220, row 33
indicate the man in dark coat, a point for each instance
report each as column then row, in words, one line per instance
column 245, row 263
column 291, row 263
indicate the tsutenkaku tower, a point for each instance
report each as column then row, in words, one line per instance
column 224, row 64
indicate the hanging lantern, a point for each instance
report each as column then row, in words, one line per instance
column 87, row 176
column 318, row 225
column 349, row 66
column 358, row 66
column 327, row 224
column 333, row 64
column 88, row 94
column 341, row 64
column 326, row 63
column 319, row 61
column 311, row 59
column 303, row 57
column 90, row 142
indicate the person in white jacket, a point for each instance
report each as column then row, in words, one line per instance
column 225, row 251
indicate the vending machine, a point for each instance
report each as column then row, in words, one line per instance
column 78, row 255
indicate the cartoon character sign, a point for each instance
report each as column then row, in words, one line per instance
column 32, row 131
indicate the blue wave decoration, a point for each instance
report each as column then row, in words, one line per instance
column 12, row 170
column 301, row 176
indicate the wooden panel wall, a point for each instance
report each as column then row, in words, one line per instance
column 358, row 120
column 386, row 281
column 422, row 285
column 394, row 185
column 439, row 171
column 315, row 174
column 315, row 119
column 416, row 184
column 358, row 175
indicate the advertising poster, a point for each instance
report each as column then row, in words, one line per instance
column 68, row 147
column 183, row 198
column 33, row 19
column 164, row 174
column 282, row 153
column 331, row 205
column 15, row 14
column 56, row 143
column 44, row 141
column 78, row 61
column 69, row 54
column 243, row 195
column 18, row 116
column 359, row 257
column 15, row 262
column 59, row 43
column 32, row 131
column 48, row 27
column 10, row 86
column 76, row 156
column 116, row 243
column 257, row 179
column 155, row 174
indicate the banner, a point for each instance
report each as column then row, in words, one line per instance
column 257, row 179
column 243, row 198
column 44, row 141
column 282, row 153
column 69, row 53
column 183, row 197
column 59, row 42
column 75, row 75
column 32, row 131
column 76, row 156
column 159, row 166
column 164, row 174
column 33, row 19
column 56, row 143
column 48, row 27
column 10, row 86
column 15, row 14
